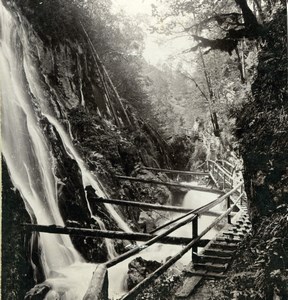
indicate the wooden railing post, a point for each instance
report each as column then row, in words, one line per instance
column 194, row 235
column 228, row 206
column 99, row 285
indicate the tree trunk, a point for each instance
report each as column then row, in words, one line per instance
column 213, row 114
column 259, row 8
column 240, row 66
column 250, row 20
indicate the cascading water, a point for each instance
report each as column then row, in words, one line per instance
column 26, row 151
column 160, row 252
column 31, row 163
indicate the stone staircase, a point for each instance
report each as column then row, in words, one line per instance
column 216, row 257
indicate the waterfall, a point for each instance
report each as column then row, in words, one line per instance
column 26, row 151
column 31, row 163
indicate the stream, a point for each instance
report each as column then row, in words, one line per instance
column 160, row 252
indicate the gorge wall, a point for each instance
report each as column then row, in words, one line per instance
column 263, row 125
column 63, row 81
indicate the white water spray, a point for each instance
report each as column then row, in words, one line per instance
column 31, row 164
column 26, row 151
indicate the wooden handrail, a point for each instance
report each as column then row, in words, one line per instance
column 227, row 173
column 200, row 210
column 145, row 205
column 87, row 232
column 223, row 162
column 219, row 200
column 154, row 240
column 176, row 171
column 172, row 184
column 151, row 277
column 213, row 179
column 203, row 209
column 131, row 295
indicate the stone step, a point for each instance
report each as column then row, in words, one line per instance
column 218, row 252
column 243, row 222
column 243, row 228
column 218, row 268
column 204, row 274
column 213, row 259
column 224, row 245
column 234, row 234
column 228, row 240
column 238, row 225
column 236, row 230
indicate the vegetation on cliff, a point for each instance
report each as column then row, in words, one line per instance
column 148, row 121
column 260, row 267
column 262, row 125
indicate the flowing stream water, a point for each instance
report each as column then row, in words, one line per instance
column 160, row 252
column 31, row 165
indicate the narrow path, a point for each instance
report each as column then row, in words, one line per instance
column 215, row 259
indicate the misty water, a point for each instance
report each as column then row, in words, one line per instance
column 160, row 252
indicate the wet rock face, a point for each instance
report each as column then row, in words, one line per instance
column 17, row 273
column 162, row 288
column 263, row 125
column 66, row 82
column 39, row 292
column 138, row 269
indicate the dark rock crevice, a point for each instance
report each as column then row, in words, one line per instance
column 263, row 125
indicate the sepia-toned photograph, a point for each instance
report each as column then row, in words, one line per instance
column 144, row 149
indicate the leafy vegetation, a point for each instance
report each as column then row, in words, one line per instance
column 263, row 122
column 260, row 269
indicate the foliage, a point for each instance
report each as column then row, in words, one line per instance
column 118, row 40
column 182, row 146
column 218, row 25
column 228, row 21
column 175, row 104
column 263, row 144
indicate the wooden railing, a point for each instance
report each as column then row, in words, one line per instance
column 151, row 277
column 226, row 165
column 221, row 177
column 98, row 288
column 178, row 172
column 95, row 291
column 170, row 184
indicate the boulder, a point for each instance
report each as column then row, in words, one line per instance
column 139, row 269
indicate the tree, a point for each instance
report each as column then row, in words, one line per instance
column 230, row 21
column 220, row 26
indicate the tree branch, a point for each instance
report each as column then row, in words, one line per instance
column 219, row 18
column 225, row 44
column 196, row 84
